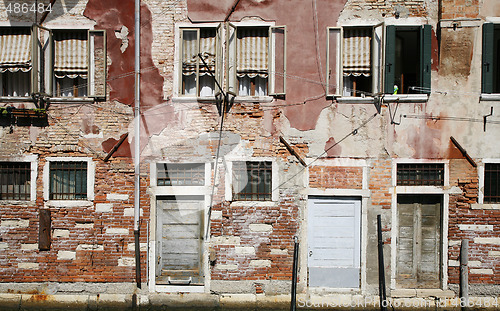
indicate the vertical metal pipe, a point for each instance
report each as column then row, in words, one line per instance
column 294, row 274
column 381, row 269
column 464, row 274
column 137, row 144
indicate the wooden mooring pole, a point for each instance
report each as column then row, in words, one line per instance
column 464, row 274
column 293, row 304
column 381, row 269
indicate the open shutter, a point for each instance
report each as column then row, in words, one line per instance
column 334, row 61
column 42, row 58
column 390, row 57
column 97, row 64
column 231, row 58
column 377, row 48
column 488, row 58
column 425, row 55
column 219, row 72
column 277, row 60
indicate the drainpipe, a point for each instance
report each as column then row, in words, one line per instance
column 137, row 144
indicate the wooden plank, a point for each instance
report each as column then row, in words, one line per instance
column 44, row 230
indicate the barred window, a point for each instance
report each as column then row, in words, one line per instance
column 68, row 180
column 181, row 174
column 252, row 181
column 421, row 174
column 491, row 184
column 15, row 180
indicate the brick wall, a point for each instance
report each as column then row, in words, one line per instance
column 469, row 220
column 451, row 9
column 335, row 177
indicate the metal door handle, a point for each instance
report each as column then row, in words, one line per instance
column 310, row 253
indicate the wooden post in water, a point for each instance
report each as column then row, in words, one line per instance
column 464, row 274
column 294, row 274
column 381, row 269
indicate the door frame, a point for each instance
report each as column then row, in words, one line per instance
column 445, row 191
column 175, row 191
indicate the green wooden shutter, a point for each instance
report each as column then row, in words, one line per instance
column 390, row 57
column 488, row 60
column 425, row 57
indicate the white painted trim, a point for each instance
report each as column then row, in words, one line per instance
column 15, row 24
column 408, row 21
column 493, row 19
column 364, row 193
column 183, row 190
column 90, row 181
column 480, row 173
column 33, row 159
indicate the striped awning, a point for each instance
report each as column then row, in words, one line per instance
column 252, row 52
column 356, row 56
column 70, row 55
column 190, row 51
column 15, row 49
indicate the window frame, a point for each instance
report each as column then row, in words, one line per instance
column 177, row 87
column 425, row 55
column 91, row 71
column 481, row 169
column 231, row 84
column 229, row 182
column 29, row 29
column 33, row 160
column 90, row 181
column 376, row 58
column 199, row 63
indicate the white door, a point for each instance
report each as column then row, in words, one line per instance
column 334, row 242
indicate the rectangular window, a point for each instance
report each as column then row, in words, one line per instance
column 491, row 56
column 70, row 63
column 252, row 181
column 408, row 59
column 68, row 180
column 175, row 174
column 15, row 180
column 491, row 183
column 354, row 60
column 15, row 62
column 252, row 52
column 256, row 60
column 421, row 174
column 197, row 78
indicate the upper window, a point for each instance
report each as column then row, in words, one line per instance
column 255, row 60
column 15, row 180
column 79, row 63
column 15, row 61
column 180, row 174
column 491, row 59
column 252, row 181
column 68, row 180
column 408, row 59
column 492, row 183
column 354, row 61
column 70, row 63
column 420, row 174
column 197, row 75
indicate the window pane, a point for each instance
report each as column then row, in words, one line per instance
column 491, row 184
column 181, row 174
column 252, row 181
column 15, row 180
column 68, row 180
column 420, row 175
